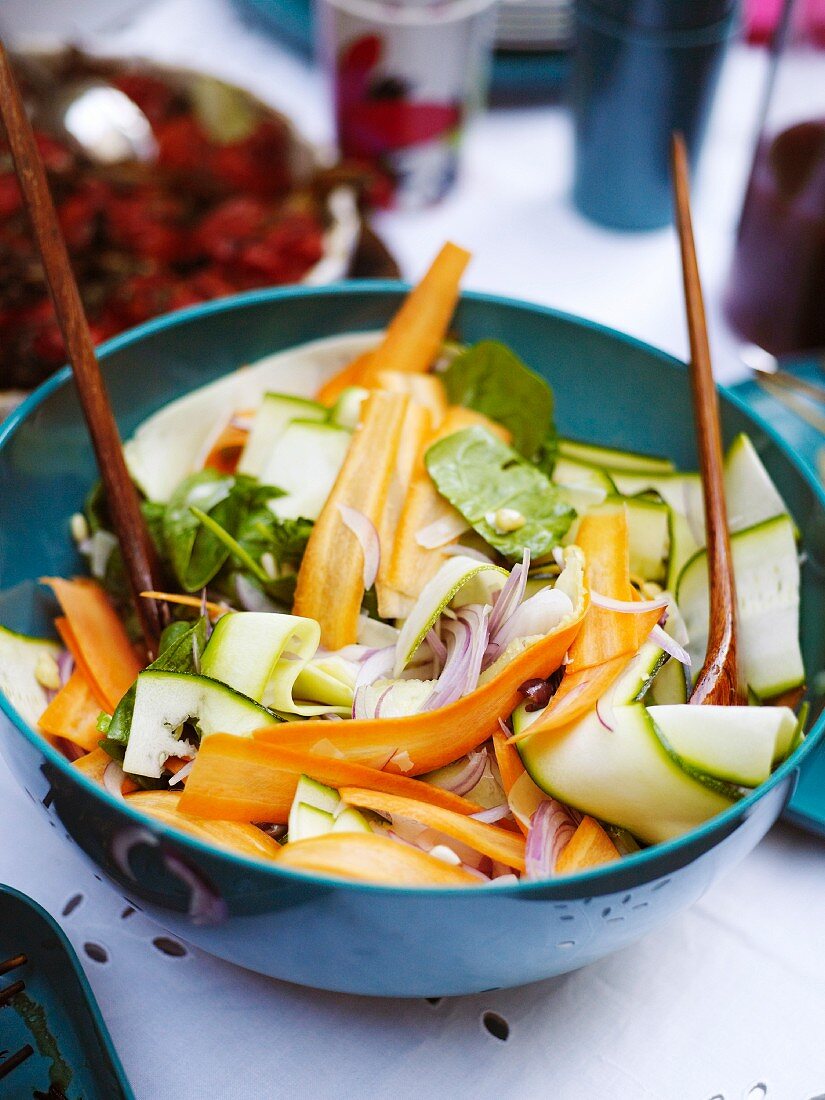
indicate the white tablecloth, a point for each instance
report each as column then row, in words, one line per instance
column 728, row 1000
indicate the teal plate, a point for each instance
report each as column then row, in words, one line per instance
column 349, row 936
column 55, row 1014
column 807, row 807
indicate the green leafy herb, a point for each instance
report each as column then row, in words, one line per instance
column 480, row 475
column 194, row 552
column 491, row 379
column 285, row 539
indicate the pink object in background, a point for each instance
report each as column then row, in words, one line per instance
column 762, row 16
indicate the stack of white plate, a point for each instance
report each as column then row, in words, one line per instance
column 534, row 25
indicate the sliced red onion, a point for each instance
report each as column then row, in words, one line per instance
column 510, row 595
column 670, row 645
column 494, row 814
column 551, row 828
column 442, row 531
column 604, row 710
column 454, row 551
column 180, row 775
column 538, row 615
column 436, row 645
column 113, row 777
column 379, row 663
column 469, row 775
column 365, row 531
column 359, row 703
column 376, row 711
column 356, row 653
column 65, row 665
column 453, row 679
column 476, row 618
column 627, row 607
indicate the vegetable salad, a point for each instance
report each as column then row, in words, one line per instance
column 417, row 637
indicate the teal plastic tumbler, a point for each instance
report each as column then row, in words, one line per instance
column 642, row 70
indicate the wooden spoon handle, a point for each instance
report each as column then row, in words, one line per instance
column 138, row 551
column 718, row 680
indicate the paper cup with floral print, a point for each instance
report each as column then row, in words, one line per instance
column 405, row 78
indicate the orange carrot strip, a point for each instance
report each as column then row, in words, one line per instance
column 604, row 537
column 246, row 840
column 499, row 844
column 73, row 713
column 330, row 586
column 351, row 375
column 61, row 625
column 214, row 610
column 425, row 389
column 103, row 647
column 419, row 743
column 509, row 765
column 413, row 337
column 238, row 779
column 95, row 763
column 226, row 450
column 590, row 846
column 509, row 762
column 611, row 638
column 367, row 857
column 415, row 429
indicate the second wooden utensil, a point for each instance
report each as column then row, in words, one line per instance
column 718, row 680
column 136, row 546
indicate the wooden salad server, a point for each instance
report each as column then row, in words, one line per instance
column 718, row 681
column 139, row 556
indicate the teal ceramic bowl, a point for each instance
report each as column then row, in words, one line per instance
column 321, row 932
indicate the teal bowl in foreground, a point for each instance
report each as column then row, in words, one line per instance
column 321, row 932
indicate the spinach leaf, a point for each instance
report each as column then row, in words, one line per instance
column 491, row 379
column 180, row 649
column 202, row 520
column 261, row 532
column 479, row 474
column 194, row 553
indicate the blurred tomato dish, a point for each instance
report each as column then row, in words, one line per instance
column 229, row 199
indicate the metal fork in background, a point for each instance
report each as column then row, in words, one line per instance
column 765, row 368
